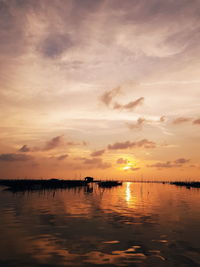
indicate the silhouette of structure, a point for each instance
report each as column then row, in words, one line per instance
column 89, row 179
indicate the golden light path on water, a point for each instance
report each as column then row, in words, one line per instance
column 128, row 192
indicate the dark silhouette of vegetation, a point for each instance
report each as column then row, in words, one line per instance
column 31, row 185
column 187, row 184
column 22, row 185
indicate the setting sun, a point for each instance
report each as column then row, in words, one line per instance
column 127, row 168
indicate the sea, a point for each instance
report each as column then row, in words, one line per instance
column 135, row 224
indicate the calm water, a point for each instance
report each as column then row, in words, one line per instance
column 132, row 225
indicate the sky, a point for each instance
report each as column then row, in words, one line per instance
column 102, row 88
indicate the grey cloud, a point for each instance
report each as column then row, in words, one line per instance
column 162, row 119
column 181, row 120
column 11, row 157
column 24, row 148
column 75, row 16
column 159, row 165
column 170, row 164
column 131, row 105
column 108, row 96
column 181, row 161
column 98, row 153
column 135, row 169
column 142, row 121
column 122, row 161
column 55, row 142
column 148, row 10
column 55, row 44
column 62, row 157
column 139, row 123
column 197, row 121
column 96, row 163
column 127, row 144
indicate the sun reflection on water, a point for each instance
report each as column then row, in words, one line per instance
column 128, row 192
column 129, row 197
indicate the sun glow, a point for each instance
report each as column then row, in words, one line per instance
column 126, row 168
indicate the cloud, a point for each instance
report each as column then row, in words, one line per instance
column 55, row 142
column 24, row 148
column 96, row 163
column 108, row 96
column 125, row 145
column 181, row 161
column 197, row 121
column 98, row 153
column 162, row 119
column 134, row 168
column 122, row 161
column 55, row 45
column 138, row 125
column 62, row 157
column 11, row 157
column 170, row 164
column 159, row 165
column 131, row 105
column 142, row 121
column 181, row 120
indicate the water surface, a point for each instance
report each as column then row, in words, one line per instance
column 137, row 224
